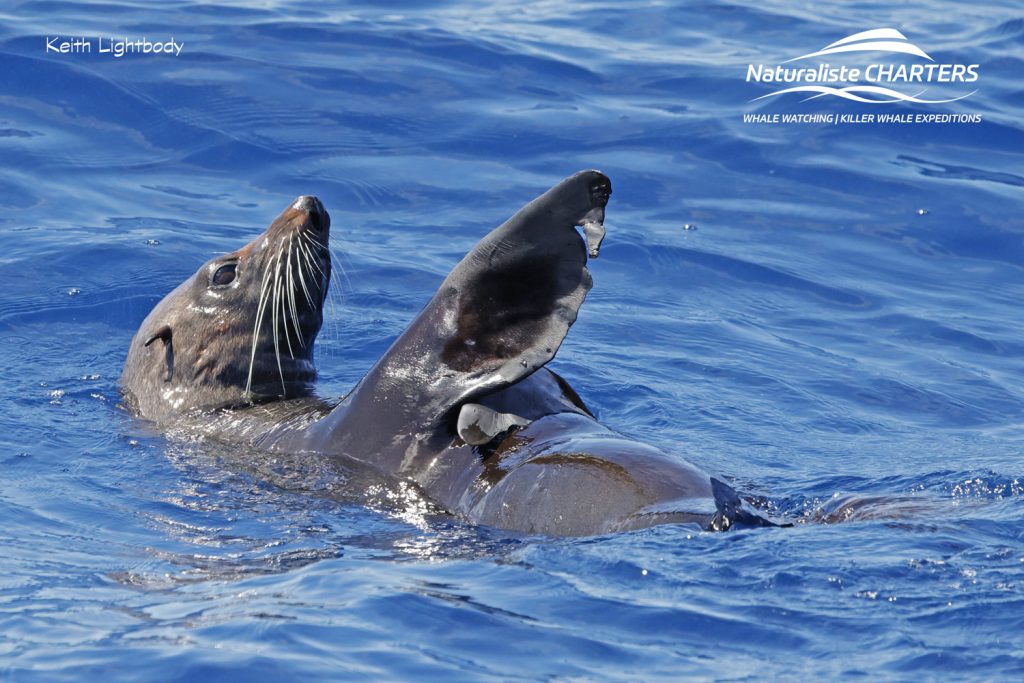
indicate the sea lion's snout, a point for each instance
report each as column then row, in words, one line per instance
column 318, row 216
column 308, row 202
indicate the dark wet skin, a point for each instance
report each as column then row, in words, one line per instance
column 480, row 344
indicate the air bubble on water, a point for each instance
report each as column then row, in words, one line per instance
column 74, row 291
column 689, row 226
column 152, row 243
column 923, row 212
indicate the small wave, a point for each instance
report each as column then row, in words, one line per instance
column 939, row 170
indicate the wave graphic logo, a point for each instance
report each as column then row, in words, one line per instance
column 871, row 83
column 852, row 93
column 875, row 40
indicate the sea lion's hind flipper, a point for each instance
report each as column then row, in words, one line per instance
column 499, row 316
column 731, row 509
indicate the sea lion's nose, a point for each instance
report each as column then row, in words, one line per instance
column 308, row 202
column 314, row 208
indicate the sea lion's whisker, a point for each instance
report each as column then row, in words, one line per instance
column 275, row 320
column 302, row 261
column 291, row 293
column 261, row 310
column 282, row 294
column 336, row 257
column 280, row 303
column 313, row 240
column 323, row 276
column 310, row 242
column 332, row 278
column 337, row 266
column 311, row 263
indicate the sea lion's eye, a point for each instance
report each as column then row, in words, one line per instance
column 224, row 275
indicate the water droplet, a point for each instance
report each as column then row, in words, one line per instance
column 923, row 212
column 523, row 363
column 74, row 291
column 689, row 226
column 643, row 572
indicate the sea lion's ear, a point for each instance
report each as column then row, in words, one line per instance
column 500, row 315
column 164, row 334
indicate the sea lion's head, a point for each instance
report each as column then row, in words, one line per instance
column 242, row 328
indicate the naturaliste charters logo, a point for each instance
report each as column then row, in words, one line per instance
column 874, row 82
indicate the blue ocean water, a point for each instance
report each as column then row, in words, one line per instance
column 843, row 324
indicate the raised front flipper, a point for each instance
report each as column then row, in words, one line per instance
column 500, row 315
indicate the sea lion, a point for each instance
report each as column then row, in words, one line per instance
column 461, row 405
